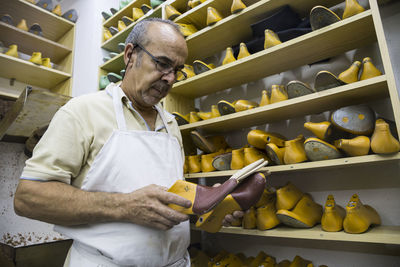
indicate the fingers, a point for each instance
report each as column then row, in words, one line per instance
column 238, row 214
column 171, row 198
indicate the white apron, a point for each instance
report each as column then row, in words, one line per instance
column 130, row 160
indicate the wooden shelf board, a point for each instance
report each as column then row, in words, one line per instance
column 53, row 26
column 126, row 11
column 330, row 41
column 211, row 40
column 112, row 43
column 28, row 43
column 350, row 94
column 309, row 166
column 379, row 234
column 116, row 64
column 27, row 72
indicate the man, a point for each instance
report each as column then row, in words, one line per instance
column 101, row 171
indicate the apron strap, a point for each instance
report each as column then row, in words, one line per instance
column 164, row 120
column 119, row 112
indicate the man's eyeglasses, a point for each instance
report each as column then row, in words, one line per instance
column 163, row 67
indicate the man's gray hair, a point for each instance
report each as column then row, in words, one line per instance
column 138, row 34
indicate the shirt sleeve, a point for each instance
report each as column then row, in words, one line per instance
column 61, row 151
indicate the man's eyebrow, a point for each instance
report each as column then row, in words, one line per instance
column 165, row 59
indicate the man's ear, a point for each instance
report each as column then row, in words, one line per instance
column 129, row 53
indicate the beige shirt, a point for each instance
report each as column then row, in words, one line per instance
column 77, row 133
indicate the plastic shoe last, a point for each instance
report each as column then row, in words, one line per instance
column 206, row 162
column 298, row 88
column 229, row 57
column 107, row 35
column 332, row 218
column 71, row 15
column 237, row 159
column 46, row 62
column 278, row 93
column 113, row 30
column 213, row 16
column 200, row 67
column 299, row 262
column 145, row 8
column 12, row 51
column 121, row 25
column 245, row 195
column 243, row 52
column 275, row 153
column 261, row 256
column 194, row 163
column 268, row 262
column 113, row 10
column 317, row 149
column 369, row 70
column 127, row 21
column 359, row 217
column 106, row 15
column 352, row 8
column 222, row 254
column 7, row 19
column 230, row 260
column 155, row 3
column 287, row 196
column 351, row 74
column 321, row 16
column 358, row 146
column 271, row 39
column 46, row 4
column 382, row 140
column 22, row 25
column 225, row 107
column 171, row 12
column 249, row 219
column 181, row 119
column 207, row 115
column 121, row 47
column 36, row 58
column 113, row 77
column 294, row 151
column 283, row 263
column 264, row 98
column 237, row 6
column 193, row 117
column 36, row 29
column 305, row 214
column 222, row 162
column 242, row 105
column 266, row 216
column 137, row 13
column 57, row 10
column 325, row 80
column 322, row 130
column 210, row 144
column 104, row 82
column 354, row 119
column 123, row 3
column 200, row 259
column 187, row 29
column 259, row 138
column 252, row 154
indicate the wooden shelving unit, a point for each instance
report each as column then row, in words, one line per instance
column 57, row 43
column 388, row 235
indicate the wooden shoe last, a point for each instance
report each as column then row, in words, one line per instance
column 332, row 218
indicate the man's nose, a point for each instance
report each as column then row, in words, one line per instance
column 169, row 78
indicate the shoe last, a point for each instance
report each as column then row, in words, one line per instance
column 181, row 119
column 243, row 52
column 222, row 162
column 299, row 262
column 229, row 57
column 268, row 262
column 107, row 35
column 369, row 70
column 57, row 10
column 222, row 254
column 237, row 6
column 287, row 196
column 113, row 77
column 225, row 107
column 332, row 218
column 275, row 153
column 237, row 159
column 284, row 263
column 258, row 259
column 171, row 12
column 200, row 66
column 278, row 93
column 359, row 217
column 105, row 15
column 113, row 30
column 241, row 105
column 186, row 165
column 22, row 25
column 214, row 111
column 294, row 151
column 322, row 130
column 321, row 16
column 266, row 216
column 46, row 62
column 194, row 164
column 46, row 4
column 213, row 16
column 12, row 51
column 298, row 88
column 325, row 80
column 36, row 58
column 206, row 162
column 305, row 214
column 187, row 29
column 155, row 3
column 204, row 115
column 252, row 154
column 350, row 75
column 317, row 149
column 127, row 21
column 382, row 140
column 264, row 98
column 267, row 196
column 71, row 15
column 121, row 25
column 243, row 197
column 357, row 119
column 210, row 144
column 259, row 138
column 104, row 82
column 36, row 29
column 230, row 260
column 352, row 8
column 271, row 39
column 358, row 146
column 249, row 219
column 113, row 10
column 145, row 8
column 193, row 117
column 137, row 13
column 6, row 18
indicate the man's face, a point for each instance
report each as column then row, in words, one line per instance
column 144, row 84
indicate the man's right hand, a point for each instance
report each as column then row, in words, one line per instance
column 148, row 206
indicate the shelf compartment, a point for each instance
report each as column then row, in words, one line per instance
column 310, row 166
column 53, row 26
column 116, row 64
column 29, row 43
column 220, row 34
column 126, row 11
column 27, row 72
column 327, row 42
column 349, row 94
column 112, row 43
column 389, row 235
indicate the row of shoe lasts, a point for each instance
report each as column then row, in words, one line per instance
column 22, row 25
column 36, row 57
column 321, row 16
column 120, row 47
column 71, row 15
column 111, row 77
column 290, row 206
column 125, row 21
column 199, row 258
